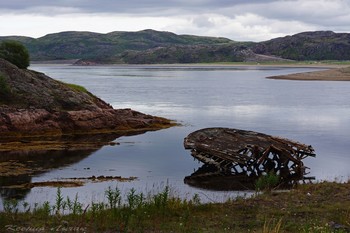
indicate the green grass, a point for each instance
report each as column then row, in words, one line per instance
column 318, row 207
column 77, row 87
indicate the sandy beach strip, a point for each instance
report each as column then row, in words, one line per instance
column 340, row 74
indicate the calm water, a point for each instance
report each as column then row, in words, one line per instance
column 315, row 113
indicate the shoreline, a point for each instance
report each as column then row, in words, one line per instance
column 326, row 65
column 331, row 71
column 335, row 74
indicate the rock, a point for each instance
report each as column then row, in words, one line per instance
column 40, row 105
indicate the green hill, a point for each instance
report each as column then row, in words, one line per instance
column 104, row 47
column 150, row 46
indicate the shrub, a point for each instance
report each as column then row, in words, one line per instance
column 267, row 182
column 4, row 89
column 15, row 52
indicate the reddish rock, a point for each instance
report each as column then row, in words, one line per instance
column 39, row 105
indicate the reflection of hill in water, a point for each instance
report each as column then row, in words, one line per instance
column 18, row 167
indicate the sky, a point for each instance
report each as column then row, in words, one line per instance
column 239, row 20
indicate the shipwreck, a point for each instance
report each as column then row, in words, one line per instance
column 246, row 155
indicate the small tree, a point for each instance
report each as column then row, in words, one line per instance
column 15, row 52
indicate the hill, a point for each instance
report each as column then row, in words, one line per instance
column 104, row 47
column 319, row 45
column 150, row 46
column 32, row 103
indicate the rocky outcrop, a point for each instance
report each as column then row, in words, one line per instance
column 35, row 104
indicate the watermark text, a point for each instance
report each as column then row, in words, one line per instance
column 60, row 228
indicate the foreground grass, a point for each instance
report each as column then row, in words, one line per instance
column 323, row 207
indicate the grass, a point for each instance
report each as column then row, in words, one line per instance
column 77, row 87
column 322, row 207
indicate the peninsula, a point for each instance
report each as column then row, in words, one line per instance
column 33, row 104
column 340, row 74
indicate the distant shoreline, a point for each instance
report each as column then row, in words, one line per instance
column 335, row 74
column 325, row 65
column 332, row 71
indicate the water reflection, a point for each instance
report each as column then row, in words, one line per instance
column 17, row 184
column 209, row 177
column 18, row 167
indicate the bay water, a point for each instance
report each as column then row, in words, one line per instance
column 316, row 113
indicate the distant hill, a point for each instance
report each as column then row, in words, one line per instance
column 319, row 45
column 231, row 52
column 105, row 47
column 150, row 46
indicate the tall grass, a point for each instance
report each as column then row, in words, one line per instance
column 272, row 227
column 160, row 212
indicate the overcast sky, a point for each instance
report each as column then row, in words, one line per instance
column 240, row 20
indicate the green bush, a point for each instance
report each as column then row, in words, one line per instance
column 15, row 52
column 4, row 89
column 267, row 182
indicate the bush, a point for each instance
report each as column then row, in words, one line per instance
column 267, row 182
column 15, row 52
column 4, row 89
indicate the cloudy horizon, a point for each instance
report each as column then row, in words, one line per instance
column 239, row 20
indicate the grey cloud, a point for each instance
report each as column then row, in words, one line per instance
column 202, row 21
column 215, row 17
column 128, row 6
column 320, row 12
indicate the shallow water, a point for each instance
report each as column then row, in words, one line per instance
column 315, row 113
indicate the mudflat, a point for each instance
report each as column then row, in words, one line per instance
column 338, row 74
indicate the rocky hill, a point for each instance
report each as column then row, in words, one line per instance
column 149, row 46
column 319, row 45
column 196, row 54
column 32, row 103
